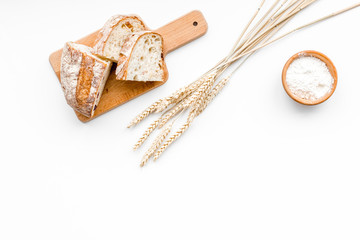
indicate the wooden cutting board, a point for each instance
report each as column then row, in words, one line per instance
column 176, row 34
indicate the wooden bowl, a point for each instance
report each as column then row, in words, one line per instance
column 329, row 64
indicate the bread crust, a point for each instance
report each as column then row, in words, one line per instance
column 81, row 75
column 126, row 51
column 107, row 29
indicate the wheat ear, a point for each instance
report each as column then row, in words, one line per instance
column 172, row 113
column 156, row 144
column 171, row 140
column 146, row 134
column 144, row 113
column 214, row 92
column 180, row 94
column 197, row 90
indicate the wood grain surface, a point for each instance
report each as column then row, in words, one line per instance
column 176, row 34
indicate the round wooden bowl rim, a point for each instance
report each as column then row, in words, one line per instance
column 329, row 64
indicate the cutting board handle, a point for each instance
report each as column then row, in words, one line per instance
column 183, row 30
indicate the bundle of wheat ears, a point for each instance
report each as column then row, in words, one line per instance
column 194, row 98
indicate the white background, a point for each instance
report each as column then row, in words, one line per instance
column 254, row 165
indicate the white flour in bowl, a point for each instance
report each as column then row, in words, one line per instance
column 309, row 78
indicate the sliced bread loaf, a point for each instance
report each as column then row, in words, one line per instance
column 142, row 58
column 83, row 77
column 113, row 34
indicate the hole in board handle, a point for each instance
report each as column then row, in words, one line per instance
column 195, row 23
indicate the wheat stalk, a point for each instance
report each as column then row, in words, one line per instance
column 295, row 30
column 197, row 95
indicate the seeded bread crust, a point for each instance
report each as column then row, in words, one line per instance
column 126, row 51
column 83, row 77
column 107, row 29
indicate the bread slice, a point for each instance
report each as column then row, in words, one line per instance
column 83, row 77
column 142, row 58
column 112, row 36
